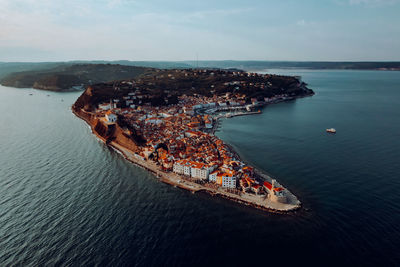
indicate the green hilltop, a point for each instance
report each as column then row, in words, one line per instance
column 65, row 77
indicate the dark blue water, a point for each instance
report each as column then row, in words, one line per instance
column 66, row 199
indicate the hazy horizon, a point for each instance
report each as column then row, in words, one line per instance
column 211, row 60
column 333, row 30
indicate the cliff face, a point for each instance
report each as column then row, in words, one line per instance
column 84, row 100
column 109, row 133
column 124, row 139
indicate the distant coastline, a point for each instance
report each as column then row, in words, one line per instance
column 61, row 76
column 71, row 77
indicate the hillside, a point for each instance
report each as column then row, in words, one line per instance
column 6, row 68
column 162, row 87
column 65, row 77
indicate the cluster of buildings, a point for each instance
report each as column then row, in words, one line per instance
column 178, row 133
column 178, row 139
column 229, row 89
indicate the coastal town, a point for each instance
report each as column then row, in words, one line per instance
column 174, row 135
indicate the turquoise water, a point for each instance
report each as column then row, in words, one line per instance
column 66, row 199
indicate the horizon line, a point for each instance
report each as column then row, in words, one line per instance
column 207, row 60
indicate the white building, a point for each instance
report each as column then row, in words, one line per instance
column 192, row 169
column 198, row 106
column 188, row 111
column 199, row 170
column 187, row 169
column 229, row 181
column 213, row 176
column 178, row 167
column 210, row 105
column 165, row 115
column 111, row 117
column 222, row 104
column 154, row 120
column 105, row 106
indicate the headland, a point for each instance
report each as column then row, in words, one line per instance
column 67, row 77
column 165, row 122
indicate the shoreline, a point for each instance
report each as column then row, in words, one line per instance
column 176, row 180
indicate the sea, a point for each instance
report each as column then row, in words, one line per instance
column 66, row 199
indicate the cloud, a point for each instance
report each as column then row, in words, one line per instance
column 301, row 22
column 177, row 30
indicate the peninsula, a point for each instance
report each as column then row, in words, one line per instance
column 165, row 120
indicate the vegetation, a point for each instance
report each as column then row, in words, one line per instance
column 65, row 77
column 7, row 68
column 161, row 87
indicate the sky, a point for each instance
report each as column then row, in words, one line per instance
column 174, row 30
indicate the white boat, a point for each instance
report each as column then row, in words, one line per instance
column 331, row 130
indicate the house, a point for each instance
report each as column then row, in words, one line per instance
column 178, row 167
column 167, row 164
column 187, row 169
column 111, row 117
column 188, row 110
column 105, row 106
column 228, row 180
column 243, row 184
column 275, row 194
column 154, row 120
column 199, row 170
column 213, row 176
